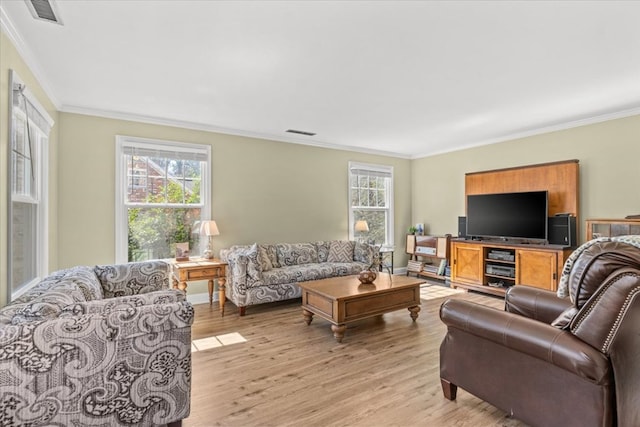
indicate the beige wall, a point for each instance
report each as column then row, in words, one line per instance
column 262, row 191
column 609, row 155
column 11, row 60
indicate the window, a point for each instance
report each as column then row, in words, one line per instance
column 28, row 228
column 371, row 199
column 162, row 192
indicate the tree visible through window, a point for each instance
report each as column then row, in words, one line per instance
column 371, row 199
column 165, row 196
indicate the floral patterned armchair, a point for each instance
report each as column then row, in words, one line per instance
column 108, row 345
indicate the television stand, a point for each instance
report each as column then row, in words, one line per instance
column 492, row 267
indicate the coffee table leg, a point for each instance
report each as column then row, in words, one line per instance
column 308, row 316
column 338, row 331
column 414, row 312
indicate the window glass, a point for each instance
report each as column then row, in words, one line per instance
column 163, row 198
column 29, row 135
column 371, row 199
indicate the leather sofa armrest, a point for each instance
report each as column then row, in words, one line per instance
column 534, row 303
column 528, row 336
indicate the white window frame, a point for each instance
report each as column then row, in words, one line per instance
column 374, row 168
column 121, row 217
column 40, row 153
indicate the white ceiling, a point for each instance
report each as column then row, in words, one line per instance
column 403, row 78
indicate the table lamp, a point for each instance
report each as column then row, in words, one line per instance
column 361, row 227
column 209, row 229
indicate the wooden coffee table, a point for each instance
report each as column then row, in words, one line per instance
column 341, row 300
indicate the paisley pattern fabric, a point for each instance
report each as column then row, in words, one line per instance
column 323, row 250
column 272, row 255
column 47, row 298
column 296, row 254
column 79, row 360
column 364, row 253
column 265, row 259
column 133, row 278
column 249, row 284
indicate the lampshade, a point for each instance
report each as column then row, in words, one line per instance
column 362, row 225
column 209, row 228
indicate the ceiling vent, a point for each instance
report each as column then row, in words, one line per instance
column 301, row 132
column 45, row 10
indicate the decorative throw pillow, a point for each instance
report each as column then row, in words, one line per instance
column 363, row 252
column 265, row 261
column 323, row 250
column 340, row 251
column 565, row 318
column 254, row 268
column 273, row 255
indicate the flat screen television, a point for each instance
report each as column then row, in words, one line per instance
column 508, row 215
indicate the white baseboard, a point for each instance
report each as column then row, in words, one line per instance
column 202, row 298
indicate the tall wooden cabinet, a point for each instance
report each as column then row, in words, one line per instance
column 493, row 267
column 612, row 227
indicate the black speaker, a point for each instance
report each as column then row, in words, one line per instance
column 562, row 231
column 462, row 226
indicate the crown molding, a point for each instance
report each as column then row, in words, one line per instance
column 7, row 27
column 539, row 131
column 223, row 130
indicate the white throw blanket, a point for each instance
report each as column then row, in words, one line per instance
column 563, row 286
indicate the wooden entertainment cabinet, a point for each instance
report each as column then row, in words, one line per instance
column 493, row 266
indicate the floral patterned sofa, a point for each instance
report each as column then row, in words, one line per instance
column 265, row 273
column 105, row 345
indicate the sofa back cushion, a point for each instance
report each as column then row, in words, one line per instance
column 341, row 251
column 589, row 267
column 296, row 254
column 56, row 291
column 595, row 264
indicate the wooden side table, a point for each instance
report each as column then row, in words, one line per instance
column 201, row 269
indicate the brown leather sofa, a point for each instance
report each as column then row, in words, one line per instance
column 550, row 361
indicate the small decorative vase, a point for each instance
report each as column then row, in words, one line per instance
column 367, row 277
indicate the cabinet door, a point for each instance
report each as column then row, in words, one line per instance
column 537, row 268
column 467, row 263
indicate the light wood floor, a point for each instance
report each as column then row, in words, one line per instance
column 384, row 373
